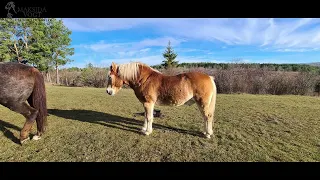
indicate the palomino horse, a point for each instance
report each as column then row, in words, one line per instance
column 154, row 88
column 20, row 83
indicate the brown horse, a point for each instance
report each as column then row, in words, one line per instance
column 154, row 88
column 20, row 83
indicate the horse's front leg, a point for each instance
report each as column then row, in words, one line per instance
column 148, row 108
column 145, row 124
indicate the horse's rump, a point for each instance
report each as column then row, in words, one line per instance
column 16, row 81
column 21, row 83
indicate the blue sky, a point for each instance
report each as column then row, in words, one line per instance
column 101, row 40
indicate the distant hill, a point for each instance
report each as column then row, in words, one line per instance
column 315, row 64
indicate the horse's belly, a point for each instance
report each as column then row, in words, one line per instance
column 174, row 100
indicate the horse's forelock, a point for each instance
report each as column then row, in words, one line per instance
column 128, row 71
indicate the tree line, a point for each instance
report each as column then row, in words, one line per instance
column 230, row 78
column 269, row 66
column 41, row 42
column 170, row 62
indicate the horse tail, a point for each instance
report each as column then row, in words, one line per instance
column 212, row 105
column 38, row 100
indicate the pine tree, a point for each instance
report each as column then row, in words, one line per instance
column 5, row 41
column 60, row 41
column 170, row 57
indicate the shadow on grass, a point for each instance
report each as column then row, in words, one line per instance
column 112, row 121
column 4, row 128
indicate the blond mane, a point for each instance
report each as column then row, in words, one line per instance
column 130, row 71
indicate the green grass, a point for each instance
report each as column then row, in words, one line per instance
column 86, row 124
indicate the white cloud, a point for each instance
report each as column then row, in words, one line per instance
column 293, row 50
column 125, row 52
column 155, row 60
column 130, row 48
column 264, row 32
column 145, row 50
column 159, row 42
column 185, row 50
column 101, row 24
column 150, row 60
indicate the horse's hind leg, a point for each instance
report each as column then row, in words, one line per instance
column 203, row 110
column 207, row 113
column 30, row 114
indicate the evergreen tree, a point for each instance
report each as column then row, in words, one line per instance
column 170, row 57
column 59, row 43
column 5, row 41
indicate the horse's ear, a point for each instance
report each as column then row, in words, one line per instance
column 113, row 67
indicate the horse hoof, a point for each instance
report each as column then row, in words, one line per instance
column 207, row 135
column 24, row 140
column 146, row 133
column 143, row 131
column 35, row 137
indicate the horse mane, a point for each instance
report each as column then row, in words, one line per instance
column 130, row 71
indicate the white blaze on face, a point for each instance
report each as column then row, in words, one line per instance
column 109, row 90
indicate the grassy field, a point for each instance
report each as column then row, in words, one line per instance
column 86, row 124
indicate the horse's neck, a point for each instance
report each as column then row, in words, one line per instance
column 145, row 73
column 135, row 82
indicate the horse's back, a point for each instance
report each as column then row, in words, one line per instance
column 11, row 66
column 14, row 72
column 178, row 89
column 194, row 79
column 16, row 81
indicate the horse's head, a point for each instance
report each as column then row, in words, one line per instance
column 114, row 82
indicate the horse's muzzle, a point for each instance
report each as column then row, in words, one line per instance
column 109, row 91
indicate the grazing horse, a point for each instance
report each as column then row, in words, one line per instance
column 20, row 83
column 154, row 88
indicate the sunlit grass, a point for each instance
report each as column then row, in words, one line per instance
column 86, row 124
